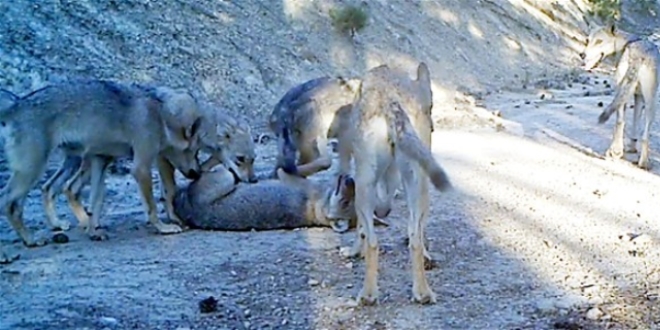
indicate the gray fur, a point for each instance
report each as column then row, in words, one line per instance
column 637, row 75
column 217, row 202
column 266, row 205
column 301, row 119
column 89, row 118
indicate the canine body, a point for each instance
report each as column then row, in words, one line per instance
column 301, row 119
column 180, row 110
column 390, row 140
column 229, row 143
column 90, row 118
column 637, row 75
column 217, row 202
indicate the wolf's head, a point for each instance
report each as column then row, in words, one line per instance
column 602, row 42
column 234, row 146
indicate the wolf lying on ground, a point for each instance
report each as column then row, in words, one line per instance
column 637, row 74
column 216, row 202
column 87, row 118
column 389, row 139
column 300, row 120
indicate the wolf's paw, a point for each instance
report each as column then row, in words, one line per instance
column 644, row 163
column 34, row 242
column 368, row 297
column 423, row 295
column 350, row 252
column 7, row 257
column 166, row 229
column 614, row 153
column 97, row 235
column 60, row 225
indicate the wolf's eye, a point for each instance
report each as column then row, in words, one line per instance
column 240, row 159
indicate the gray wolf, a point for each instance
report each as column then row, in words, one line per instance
column 229, row 143
column 389, row 140
column 89, row 118
column 232, row 145
column 637, row 74
column 301, row 118
column 216, row 201
column 182, row 111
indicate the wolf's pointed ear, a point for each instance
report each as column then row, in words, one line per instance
column 611, row 27
column 423, row 73
column 196, row 128
column 7, row 99
column 348, row 188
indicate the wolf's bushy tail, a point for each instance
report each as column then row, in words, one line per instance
column 623, row 93
column 412, row 146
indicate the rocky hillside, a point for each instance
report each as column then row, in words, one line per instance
column 243, row 55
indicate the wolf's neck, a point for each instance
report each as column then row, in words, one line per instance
column 317, row 201
column 623, row 39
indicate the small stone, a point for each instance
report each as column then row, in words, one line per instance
column 642, row 239
column 349, row 265
column 60, row 238
column 208, row 305
column 594, row 313
column 545, row 305
column 285, row 322
column 108, row 321
column 313, row 282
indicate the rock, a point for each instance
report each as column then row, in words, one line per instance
column 545, row 305
column 313, row 282
column 109, row 322
column 208, row 305
column 594, row 313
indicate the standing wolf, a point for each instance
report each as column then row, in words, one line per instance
column 230, row 143
column 301, row 119
column 390, row 138
column 91, row 117
column 182, row 110
column 637, row 74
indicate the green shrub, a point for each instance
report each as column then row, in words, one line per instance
column 349, row 19
column 606, row 10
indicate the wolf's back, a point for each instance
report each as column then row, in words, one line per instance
column 265, row 205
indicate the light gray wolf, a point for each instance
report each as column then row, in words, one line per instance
column 229, row 143
column 389, row 140
column 637, row 74
column 89, row 118
column 301, row 118
column 232, row 145
column 216, row 201
column 181, row 109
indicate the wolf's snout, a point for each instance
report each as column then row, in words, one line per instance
column 583, row 55
column 193, row 175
